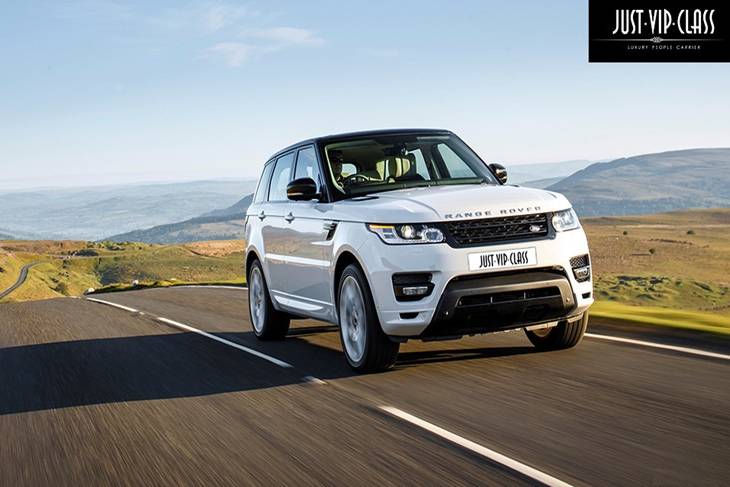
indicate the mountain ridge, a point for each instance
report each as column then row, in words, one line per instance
column 221, row 224
column 651, row 183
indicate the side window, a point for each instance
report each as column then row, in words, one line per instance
column 456, row 166
column 307, row 166
column 263, row 187
column 281, row 177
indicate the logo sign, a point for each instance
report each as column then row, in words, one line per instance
column 659, row 31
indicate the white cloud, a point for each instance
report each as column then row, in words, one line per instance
column 257, row 42
column 216, row 17
column 233, row 54
column 286, row 36
column 234, row 32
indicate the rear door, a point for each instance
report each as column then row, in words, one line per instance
column 255, row 219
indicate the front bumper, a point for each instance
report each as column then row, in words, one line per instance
column 460, row 303
column 487, row 303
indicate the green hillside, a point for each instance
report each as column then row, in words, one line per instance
column 75, row 267
column 668, row 269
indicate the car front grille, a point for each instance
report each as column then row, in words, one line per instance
column 508, row 297
column 468, row 233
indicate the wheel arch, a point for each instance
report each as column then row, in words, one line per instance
column 345, row 258
column 250, row 257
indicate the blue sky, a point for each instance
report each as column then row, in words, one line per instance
column 97, row 91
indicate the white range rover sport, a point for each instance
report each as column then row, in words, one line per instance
column 407, row 234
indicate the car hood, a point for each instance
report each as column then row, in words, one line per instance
column 458, row 202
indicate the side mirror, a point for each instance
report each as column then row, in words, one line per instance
column 302, row 189
column 499, row 171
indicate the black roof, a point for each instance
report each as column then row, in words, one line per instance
column 363, row 133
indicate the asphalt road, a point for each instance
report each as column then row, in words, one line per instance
column 92, row 394
column 21, row 279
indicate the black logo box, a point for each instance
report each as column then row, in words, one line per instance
column 658, row 31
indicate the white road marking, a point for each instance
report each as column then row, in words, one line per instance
column 214, row 286
column 185, row 327
column 256, row 353
column 693, row 351
column 477, row 448
column 109, row 303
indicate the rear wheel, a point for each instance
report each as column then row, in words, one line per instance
column 365, row 345
column 564, row 335
column 267, row 322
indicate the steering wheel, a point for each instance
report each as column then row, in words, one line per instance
column 355, row 179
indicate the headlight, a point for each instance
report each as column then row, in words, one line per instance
column 407, row 234
column 565, row 220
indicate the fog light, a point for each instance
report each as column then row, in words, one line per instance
column 414, row 290
column 582, row 273
column 412, row 286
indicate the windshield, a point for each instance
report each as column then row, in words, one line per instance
column 372, row 165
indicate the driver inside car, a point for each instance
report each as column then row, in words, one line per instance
column 336, row 159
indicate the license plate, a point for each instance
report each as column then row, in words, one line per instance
column 503, row 259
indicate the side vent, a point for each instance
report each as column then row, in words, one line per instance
column 330, row 228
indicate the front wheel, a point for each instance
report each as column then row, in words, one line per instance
column 365, row 345
column 267, row 322
column 564, row 335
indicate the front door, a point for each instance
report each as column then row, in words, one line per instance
column 276, row 232
column 307, row 272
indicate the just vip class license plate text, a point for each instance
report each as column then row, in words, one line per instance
column 503, row 259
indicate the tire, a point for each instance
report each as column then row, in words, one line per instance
column 564, row 335
column 366, row 347
column 267, row 322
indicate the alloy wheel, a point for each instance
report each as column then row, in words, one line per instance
column 353, row 319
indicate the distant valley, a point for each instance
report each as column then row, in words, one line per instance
column 96, row 212
column 223, row 224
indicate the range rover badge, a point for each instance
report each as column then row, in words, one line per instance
column 535, row 228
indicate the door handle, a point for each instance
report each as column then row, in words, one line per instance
column 289, row 217
column 262, row 215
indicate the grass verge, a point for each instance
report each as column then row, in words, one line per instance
column 663, row 317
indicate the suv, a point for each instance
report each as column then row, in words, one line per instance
column 400, row 234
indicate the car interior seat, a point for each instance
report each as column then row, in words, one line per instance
column 403, row 168
column 377, row 173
